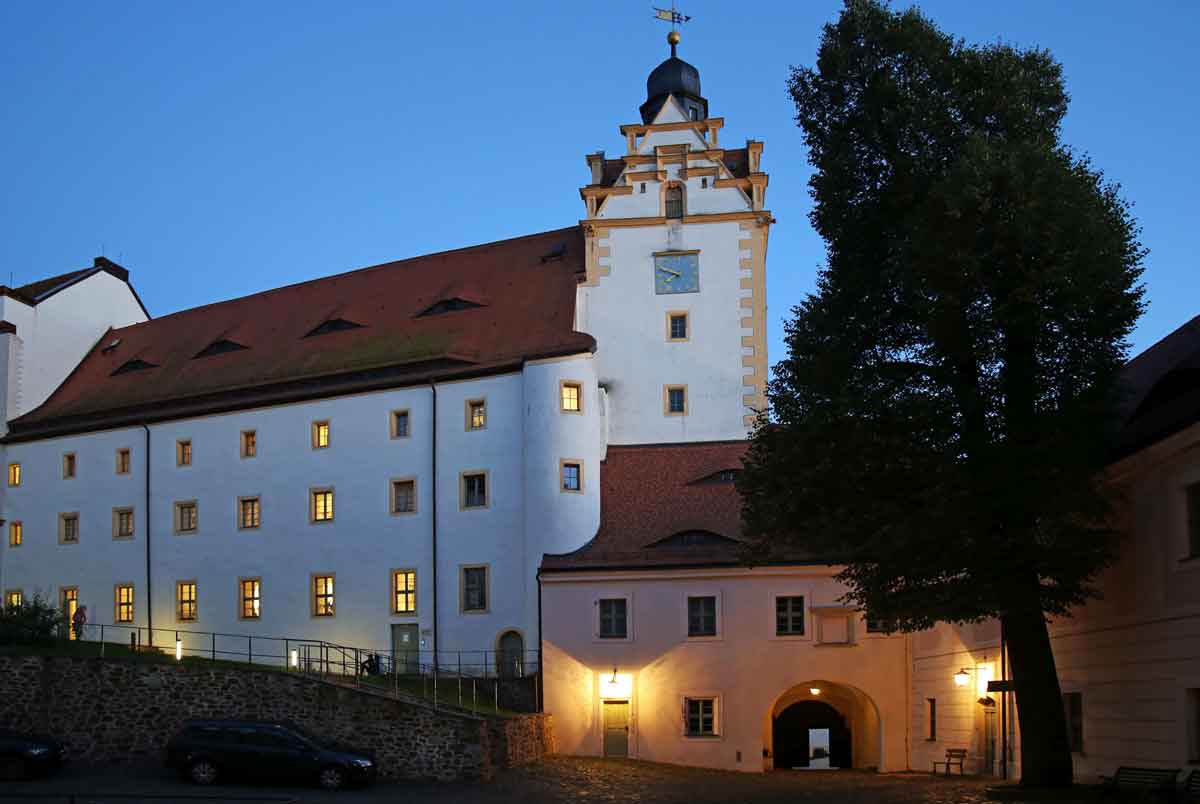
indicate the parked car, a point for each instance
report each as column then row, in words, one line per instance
column 23, row 755
column 205, row 750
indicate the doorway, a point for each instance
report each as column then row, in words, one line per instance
column 811, row 734
column 990, row 752
column 406, row 657
column 510, row 655
column 616, row 728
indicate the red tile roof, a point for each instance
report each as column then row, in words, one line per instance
column 652, row 492
column 528, row 311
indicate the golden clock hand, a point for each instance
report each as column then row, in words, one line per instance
column 669, row 271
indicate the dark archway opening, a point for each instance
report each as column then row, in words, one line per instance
column 790, row 735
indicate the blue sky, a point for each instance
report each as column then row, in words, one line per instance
column 217, row 149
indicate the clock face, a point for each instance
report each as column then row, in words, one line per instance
column 676, row 273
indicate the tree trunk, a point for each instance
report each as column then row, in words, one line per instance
column 1045, row 750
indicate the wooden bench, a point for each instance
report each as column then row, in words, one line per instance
column 1146, row 781
column 1191, row 788
column 954, row 756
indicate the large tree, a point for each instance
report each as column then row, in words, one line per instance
column 941, row 421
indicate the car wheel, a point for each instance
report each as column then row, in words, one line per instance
column 331, row 778
column 203, row 771
column 12, row 768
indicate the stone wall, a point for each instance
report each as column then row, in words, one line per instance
column 120, row 710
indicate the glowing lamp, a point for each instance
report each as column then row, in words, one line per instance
column 983, row 674
column 962, row 678
column 815, row 690
column 178, row 650
column 616, row 685
column 294, row 658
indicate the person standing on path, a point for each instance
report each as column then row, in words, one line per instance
column 79, row 621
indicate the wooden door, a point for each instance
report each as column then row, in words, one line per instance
column 616, row 728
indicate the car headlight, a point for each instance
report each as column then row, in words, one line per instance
column 361, row 763
column 37, row 751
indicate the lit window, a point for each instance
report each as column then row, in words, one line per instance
column 322, row 595
column 122, row 523
column 399, row 424
column 249, row 513
column 16, row 534
column 68, row 603
column 476, row 414
column 674, row 202
column 68, row 465
column 675, row 400
column 123, row 603
column 322, row 505
column 185, row 601
column 474, row 490
column 1073, row 704
column 789, row 616
column 404, row 496
column 13, row 598
column 474, row 589
column 572, row 397
column 677, row 326
column 250, row 594
column 68, row 528
column 404, row 591
column 702, row 616
column 571, row 478
column 931, row 718
column 122, row 461
column 249, row 443
column 614, row 620
column 701, row 717
column 183, row 453
column 14, row 474
column 187, row 517
column 320, row 435
column 1193, row 514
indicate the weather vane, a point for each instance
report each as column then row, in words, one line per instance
column 676, row 19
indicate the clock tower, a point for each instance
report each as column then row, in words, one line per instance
column 675, row 293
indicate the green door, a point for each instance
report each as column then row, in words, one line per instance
column 616, row 728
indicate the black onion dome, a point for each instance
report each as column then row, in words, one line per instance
column 674, row 77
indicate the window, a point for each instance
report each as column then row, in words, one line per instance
column 16, row 534
column 877, row 625
column 474, row 492
column 404, row 591
column 321, row 506
column 187, row 517
column 123, row 603
column 701, row 716
column 320, row 435
column 249, row 443
column 13, row 598
column 322, row 590
column 1193, row 514
column 694, row 113
column 399, row 424
column 476, row 414
column 185, row 601
column 404, row 496
column 122, row 522
column 789, row 616
column 571, row 475
column 14, row 474
column 614, row 620
column 704, row 183
column 68, row 528
column 68, row 466
column 642, row 187
column 474, row 589
column 68, row 603
column 675, row 400
column 183, row 453
column 1193, row 724
column 249, row 513
column 674, row 201
column 702, row 616
column 571, row 397
column 931, row 718
column 1073, row 704
column 677, row 326
column 250, row 598
column 122, row 461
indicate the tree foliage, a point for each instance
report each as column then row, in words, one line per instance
column 34, row 622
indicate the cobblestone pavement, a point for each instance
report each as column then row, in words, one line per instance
column 555, row 780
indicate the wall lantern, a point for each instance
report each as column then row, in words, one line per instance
column 962, row 678
column 815, row 690
column 983, row 674
column 294, row 659
column 616, row 685
column 178, row 648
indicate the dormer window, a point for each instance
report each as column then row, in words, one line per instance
column 674, row 202
column 695, row 113
column 219, row 347
column 133, row 365
column 333, row 325
column 448, row 306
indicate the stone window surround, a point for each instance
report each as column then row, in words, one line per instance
column 613, row 594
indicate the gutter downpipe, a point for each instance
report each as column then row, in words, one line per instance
column 434, row 540
column 146, row 514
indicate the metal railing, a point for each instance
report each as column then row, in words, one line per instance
column 469, row 679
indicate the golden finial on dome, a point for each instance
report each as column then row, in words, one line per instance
column 673, row 38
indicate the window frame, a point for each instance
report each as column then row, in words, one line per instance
column 312, row 505
column 687, row 324
column 118, row 603
column 14, row 474
column 667, row 389
column 9, row 594
column 241, row 597
column 395, row 592
column 392, row 495
column 688, row 597
column 179, row 601
column 66, row 596
column 468, row 410
column 316, row 434
column 183, row 452
column 16, row 533
column 462, row 588
column 237, row 512
column 70, row 466
column 393, row 430
column 563, row 463
column 124, row 461
column 177, row 508
column 931, row 721
column 715, row 701
column 598, row 618
column 63, row 517
column 563, row 385
column 462, row 490
column 118, row 512
column 805, row 616
column 315, row 595
column 248, row 438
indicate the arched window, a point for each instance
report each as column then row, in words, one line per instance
column 674, row 202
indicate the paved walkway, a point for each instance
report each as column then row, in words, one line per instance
column 555, row 780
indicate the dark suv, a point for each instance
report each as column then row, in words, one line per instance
column 207, row 749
